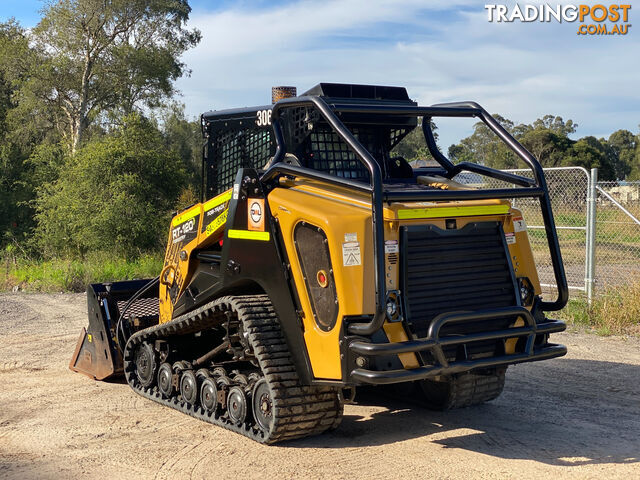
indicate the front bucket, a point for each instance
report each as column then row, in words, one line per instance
column 94, row 358
column 97, row 354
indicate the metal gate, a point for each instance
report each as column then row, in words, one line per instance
column 568, row 189
column 598, row 226
column 569, row 192
column 616, row 255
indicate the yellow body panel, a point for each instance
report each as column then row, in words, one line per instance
column 396, row 333
column 354, row 284
column 521, row 254
column 343, row 213
column 199, row 226
column 438, row 211
column 345, row 217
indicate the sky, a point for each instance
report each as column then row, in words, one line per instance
column 440, row 50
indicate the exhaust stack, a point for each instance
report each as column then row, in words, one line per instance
column 278, row 93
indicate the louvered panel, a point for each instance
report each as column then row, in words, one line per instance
column 453, row 270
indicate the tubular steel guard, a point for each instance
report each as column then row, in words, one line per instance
column 434, row 343
column 536, row 188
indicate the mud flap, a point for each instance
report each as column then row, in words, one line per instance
column 97, row 354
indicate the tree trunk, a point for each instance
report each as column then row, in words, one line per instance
column 81, row 121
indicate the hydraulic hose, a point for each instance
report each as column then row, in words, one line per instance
column 121, row 336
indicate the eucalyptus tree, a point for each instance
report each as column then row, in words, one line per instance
column 97, row 58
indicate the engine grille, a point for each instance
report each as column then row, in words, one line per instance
column 455, row 270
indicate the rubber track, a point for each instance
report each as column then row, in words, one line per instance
column 473, row 389
column 466, row 390
column 299, row 411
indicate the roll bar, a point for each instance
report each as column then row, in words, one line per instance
column 535, row 188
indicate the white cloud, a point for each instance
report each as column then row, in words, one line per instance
column 522, row 71
column 294, row 26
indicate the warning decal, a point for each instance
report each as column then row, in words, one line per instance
column 350, row 237
column 510, row 238
column 519, row 224
column 217, row 222
column 351, row 254
column 391, row 246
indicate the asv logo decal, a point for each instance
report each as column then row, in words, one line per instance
column 255, row 214
column 263, row 118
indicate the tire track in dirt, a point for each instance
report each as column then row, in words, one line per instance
column 165, row 470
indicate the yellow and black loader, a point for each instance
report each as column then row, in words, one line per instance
column 318, row 261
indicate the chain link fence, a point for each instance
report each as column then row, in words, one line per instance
column 615, row 251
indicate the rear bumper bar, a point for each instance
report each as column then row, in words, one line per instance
column 435, row 344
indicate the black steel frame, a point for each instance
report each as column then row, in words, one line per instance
column 330, row 110
column 435, row 345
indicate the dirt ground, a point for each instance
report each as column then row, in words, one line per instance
column 573, row 417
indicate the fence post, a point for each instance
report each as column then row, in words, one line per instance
column 590, row 267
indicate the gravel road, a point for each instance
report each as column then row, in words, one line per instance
column 573, row 417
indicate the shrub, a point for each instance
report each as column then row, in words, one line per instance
column 115, row 195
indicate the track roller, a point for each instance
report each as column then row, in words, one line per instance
column 146, row 364
column 165, row 380
column 262, row 405
column 240, row 379
column 237, row 405
column 189, row 387
column 209, row 395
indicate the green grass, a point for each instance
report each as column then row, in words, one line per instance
column 614, row 312
column 617, row 237
column 569, row 218
column 64, row 275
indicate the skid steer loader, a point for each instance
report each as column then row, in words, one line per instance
column 318, row 261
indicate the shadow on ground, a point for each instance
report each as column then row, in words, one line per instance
column 550, row 412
